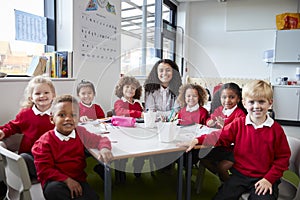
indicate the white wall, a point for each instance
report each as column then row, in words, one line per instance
column 214, row 51
column 12, row 91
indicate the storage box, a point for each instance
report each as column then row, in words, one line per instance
column 287, row 21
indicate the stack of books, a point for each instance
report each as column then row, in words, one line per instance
column 59, row 64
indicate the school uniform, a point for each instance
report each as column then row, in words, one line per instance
column 93, row 111
column 194, row 115
column 123, row 107
column 58, row 157
column 32, row 123
column 259, row 152
column 224, row 153
column 227, row 114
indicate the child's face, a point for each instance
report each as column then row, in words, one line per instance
column 129, row 91
column 165, row 73
column 191, row 97
column 86, row 95
column 42, row 96
column 65, row 116
column 229, row 98
column 257, row 109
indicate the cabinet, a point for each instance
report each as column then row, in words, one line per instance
column 286, row 102
column 287, row 46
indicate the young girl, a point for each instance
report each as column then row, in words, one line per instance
column 162, row 87
column 88, row 110
column 129, row 91
column 231, row 108
column 33, row 119
column 191, row 99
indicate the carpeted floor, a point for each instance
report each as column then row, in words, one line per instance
column 161, row 186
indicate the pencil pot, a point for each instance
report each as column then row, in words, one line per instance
column 167, row 131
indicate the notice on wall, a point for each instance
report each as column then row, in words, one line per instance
column 98, row 31
column 30, row 28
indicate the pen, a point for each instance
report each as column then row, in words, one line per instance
column 169, row 119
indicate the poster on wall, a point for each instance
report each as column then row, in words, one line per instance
column 98, row 31
column 30, row 27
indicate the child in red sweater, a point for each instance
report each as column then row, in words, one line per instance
column 261, row 150
column 220, row 159
column 191, row 99
column 33, row 119
column 231, row 108
column 59, row 154
column 129, row 90
column 87, row 109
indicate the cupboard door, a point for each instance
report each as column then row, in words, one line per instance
column 287, row 46
column 286, row 103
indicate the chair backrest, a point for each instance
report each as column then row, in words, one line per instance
column 16, row 173
column 294, row 166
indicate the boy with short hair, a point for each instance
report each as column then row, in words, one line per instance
column 59, row 154
column 261, row 149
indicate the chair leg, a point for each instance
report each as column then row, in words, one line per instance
column 200, row 178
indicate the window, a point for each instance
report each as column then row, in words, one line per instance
column 16, row 55
column 138, row 53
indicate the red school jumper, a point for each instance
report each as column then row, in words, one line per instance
column 93, row 112
column 198, row 116
column 56, row 160
column 30, row 125
column 127, row 109
column 259, row 153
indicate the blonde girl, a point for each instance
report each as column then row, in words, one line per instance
column 33, row 119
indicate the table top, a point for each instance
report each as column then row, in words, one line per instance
column 140, row 141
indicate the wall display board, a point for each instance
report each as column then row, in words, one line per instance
column 97, row 46
column 98, row 34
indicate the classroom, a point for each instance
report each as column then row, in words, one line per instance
column 212, row 41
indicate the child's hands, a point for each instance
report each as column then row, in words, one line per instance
column 220, row 121
column 190, row 144
column 74, row 186
column 105, row 155
column 84, row 119
column 262, row 186
column 2, row 135
column 211, row 123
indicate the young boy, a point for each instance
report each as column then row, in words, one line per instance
column 261, row 150
column 59, row 154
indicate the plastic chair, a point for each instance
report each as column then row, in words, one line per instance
column 287, row 189
column 17, row 178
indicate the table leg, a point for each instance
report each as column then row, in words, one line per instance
column 107, row 182
column 188, row 175
column 179, row 178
